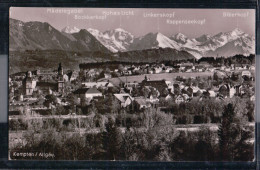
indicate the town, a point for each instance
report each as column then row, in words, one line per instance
column 42, row 90
column 185, row 92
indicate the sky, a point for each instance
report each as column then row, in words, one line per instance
column 190, row 22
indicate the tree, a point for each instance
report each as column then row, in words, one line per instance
column 165, row 92
column 82, row 75
column 107, row 71
column 112, row 140
column 229, row 134
column 115, row 106
column 50, row 99
column 215, row 77
column 72, row 99
column 244, row 150
column 145, row 92
column 120, row 68
column 129, row 145
column 135, row 92
column 93, row 109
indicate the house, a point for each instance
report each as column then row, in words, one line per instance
column 186, row 97
column 251, row 67
column 65, row 77
column 127, row 72
column 129, row 86
column 160, row 85
column 136, row 69
column 46, row 87
column 224, row 90
column 239, row 90
column 157, row 70
column 92, row 73
column 169, row 97
column 184, row 66
column 205, row 95
column 124, row 98
column 212, row 93
column 179, row 99
column 188, row 70
column 204, row 64
column 107, row 75
column 238, row 67
column 153, row 99
column 141, row 103
column 232, row 92
column 150, row 71
column 73, row 75
column 18, row 76
column 252, row 98
column 246, row 73
column 102, row 84
column 168, row 69
column 170, row 86
column 87, row 93
column 189, row 91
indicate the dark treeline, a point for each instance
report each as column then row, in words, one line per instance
column 108, row 64
column 237, row 59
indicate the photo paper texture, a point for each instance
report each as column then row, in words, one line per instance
column 131, row 84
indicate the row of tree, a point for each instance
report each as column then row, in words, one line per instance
column 157, row 142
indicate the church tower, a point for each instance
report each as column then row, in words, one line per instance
column 28, row 84
column 60, row 79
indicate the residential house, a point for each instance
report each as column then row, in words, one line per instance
column 124, row 98
column 157, row 70
column 232, row 91
column 46, row 87
column 107, row 75
column 252, row 98
column 103, row 84
column 246, row 73
column 153, row 99
column 179, row 99
column 224, row 90
column 141, row 103
column 168, row 69
column 72, row 75
column 160, row 85
column 170, row 86
column 88, row 93
column 170, row 97
column 212, row 93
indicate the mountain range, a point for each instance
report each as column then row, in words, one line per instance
column 42, row 36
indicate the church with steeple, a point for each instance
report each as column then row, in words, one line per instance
column 60, row 79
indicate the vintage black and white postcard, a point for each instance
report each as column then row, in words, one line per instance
column 131, row 84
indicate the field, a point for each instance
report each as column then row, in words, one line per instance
column 160, row 76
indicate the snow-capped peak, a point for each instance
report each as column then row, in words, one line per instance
column 115, row 40
column 120, row 30
column 203, row 38
column 165, row 42
column 119, row 35
column 180, row 38
column 96, row 33
column 70, row 30
column 237, row 31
